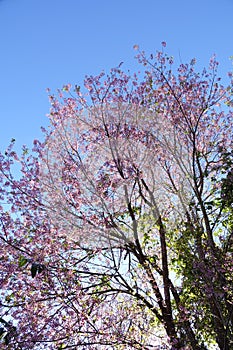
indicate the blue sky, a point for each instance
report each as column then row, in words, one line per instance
column 47, row 43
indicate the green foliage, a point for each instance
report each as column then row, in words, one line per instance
column 22, row 261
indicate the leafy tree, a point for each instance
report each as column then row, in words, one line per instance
column 118, row 234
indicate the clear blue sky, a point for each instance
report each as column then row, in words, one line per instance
column 47, row 43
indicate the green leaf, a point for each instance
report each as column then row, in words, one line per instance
column 22, row 261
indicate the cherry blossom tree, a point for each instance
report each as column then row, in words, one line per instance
column 118, row 233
